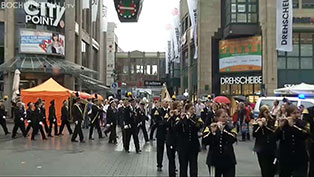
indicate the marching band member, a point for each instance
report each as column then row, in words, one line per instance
column 65, row 118
column 52, row 119
column 77, row 113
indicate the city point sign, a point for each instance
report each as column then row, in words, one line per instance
column 44, row 13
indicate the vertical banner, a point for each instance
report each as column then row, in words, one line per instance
column 168, row 56
column 284, row 25
column 176, row 35
column 95, row 4
column 104, row 15
column 86, row 4
column 192, row 5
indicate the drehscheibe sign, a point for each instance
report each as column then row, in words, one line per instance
column 44, row 13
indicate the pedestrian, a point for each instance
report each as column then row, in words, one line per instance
column 142, row 118
column 153, row 124
column 29, row 117
column 95, row 116
column 207, row 114
column 244, row 119
column 130, row 126
column 220, row 136
column 37, row 122
column 112, row 121
column 265, row 142
column 281, row 114
column 275, row 109
column 292, row 133
column 161, row 115
column 188, row 141
column 89, row 109
column 18, row 119
column 3, row 116
column 52, row 119
column 65, row 116
column 43, row 112
column 77, row 113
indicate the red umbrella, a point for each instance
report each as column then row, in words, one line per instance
column 222, row 99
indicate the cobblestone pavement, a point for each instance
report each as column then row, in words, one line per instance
column 59, row 157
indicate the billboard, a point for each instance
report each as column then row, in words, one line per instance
column 241, row 54
column 39, row 42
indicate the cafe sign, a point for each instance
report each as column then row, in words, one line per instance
column 44, row 13
column 241, row 80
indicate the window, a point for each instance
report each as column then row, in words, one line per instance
column 154, row 70
column 241, row 11
column 132, row 68
column 281, row 63
column 225, row 89
column 139, row 69
column 236, row 89
column 306, row 63
column 293, row 63
column 296, row 3
column 308, row 4
column 247, row 89
column 307, row 104
column 125, row 69
column 148, row 70
column 257, row 89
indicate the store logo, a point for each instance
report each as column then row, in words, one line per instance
column 44, row 13
column 241, row 80
column 305, row 20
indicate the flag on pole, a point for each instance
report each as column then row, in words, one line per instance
column 193, row 12
column 168, row 56
column 86, row 4
column 16, row 84
column 95, row 4
column 104, row 16
column 284, row 25
column 165, row 96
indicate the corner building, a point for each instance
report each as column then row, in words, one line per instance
column 237, row 48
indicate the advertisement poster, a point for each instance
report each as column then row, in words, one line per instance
column 37, row 42
column 242, row 54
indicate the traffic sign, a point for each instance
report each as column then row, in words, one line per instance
column 114, row 85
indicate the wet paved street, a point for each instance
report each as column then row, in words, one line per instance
column 59, row 157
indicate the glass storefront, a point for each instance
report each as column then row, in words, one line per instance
column 238, row 89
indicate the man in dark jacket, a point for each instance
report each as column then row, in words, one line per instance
column 65, row 118
column 112, row 122
column 153, row 124
column 77, row 113
column 52, row 119
column 18, row 119
column 43, row 112
column 94, row 119
column 3, row 115
column 142, row 118
column 37, row 122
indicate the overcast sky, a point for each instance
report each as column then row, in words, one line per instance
column 149, row 33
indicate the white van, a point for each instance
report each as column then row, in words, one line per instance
column 269, row 101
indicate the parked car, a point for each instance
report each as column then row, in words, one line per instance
column 307, row 102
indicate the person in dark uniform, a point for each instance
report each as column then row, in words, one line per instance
column 29, row 117
column 52, row 119
column 65, row 116
column 130, row 126
column 112, row 121
column 43, row 112
column 142, row 118
column 292, row 134
column 153, row 124
column 187, row 127
column 161, row 116
column 207, row 114
column 265, row 143
column 3, row 115
column 77, row 113
column 37, row 122
column 308, row 116
column 95, row 119
column 171, row 137
column 220, row 137
column 18, row 119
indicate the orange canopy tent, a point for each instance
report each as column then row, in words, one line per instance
column 48, row 91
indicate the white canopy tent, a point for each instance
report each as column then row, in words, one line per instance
column 302, row 88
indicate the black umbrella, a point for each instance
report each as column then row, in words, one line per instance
column 241, row 99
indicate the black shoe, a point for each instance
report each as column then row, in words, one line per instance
column 50, row 136
column 159, row 169
column 7, row 133
column 74, row 141
column 13, row 137
column 127, row 151
column 82, row 141
column 138, row 151
column 91, row 139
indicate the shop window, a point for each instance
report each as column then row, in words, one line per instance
column 236, row 89
column 306, row 40
column 225, row 89
column 308, row 4
column 293, row 63
column 306, row 63
column 247, row 89
column 281, row 63
column 257, row 89
column 296, row 3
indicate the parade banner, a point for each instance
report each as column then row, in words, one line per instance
column 242, row 54
column 176, row 34
column 193, row 12
column 104, row 16
column 37, row 42
column 95, row 4
column 86, row 4
column 168, row 56
column 284, row 25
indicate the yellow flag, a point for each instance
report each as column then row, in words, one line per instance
column 165, row 96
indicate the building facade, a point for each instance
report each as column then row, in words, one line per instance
column 53, row 38
column 112, row 48
column 237, row 48
column 140, row 70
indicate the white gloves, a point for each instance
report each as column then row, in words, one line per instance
column 54, row 120
column 76, row 122
column 40, row 123
column 3, row 117
column 29, row 121
column 21, row 119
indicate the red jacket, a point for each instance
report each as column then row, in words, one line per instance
column 235, row 117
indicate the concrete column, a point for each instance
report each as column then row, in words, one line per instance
column 268, row 23
column 91, row 55
column 209, row 22
column 100, row 39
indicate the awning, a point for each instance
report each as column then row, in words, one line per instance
column 92, row 83
column 46, row 64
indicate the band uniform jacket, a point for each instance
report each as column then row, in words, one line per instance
column 221, row 152
column 111, row 116
column 187, row 129
column 141, row 116
column 265, row 141
column 129, row 118
column 77, row 112
column 64, row 113
column 207, row 116
column 292, row 149
column 161, row 116
column 3, row 113
column 18, row 114
column 172, row 134
column 52, row 113
column 29, row 114
column 43, row 113
column 152, row 116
